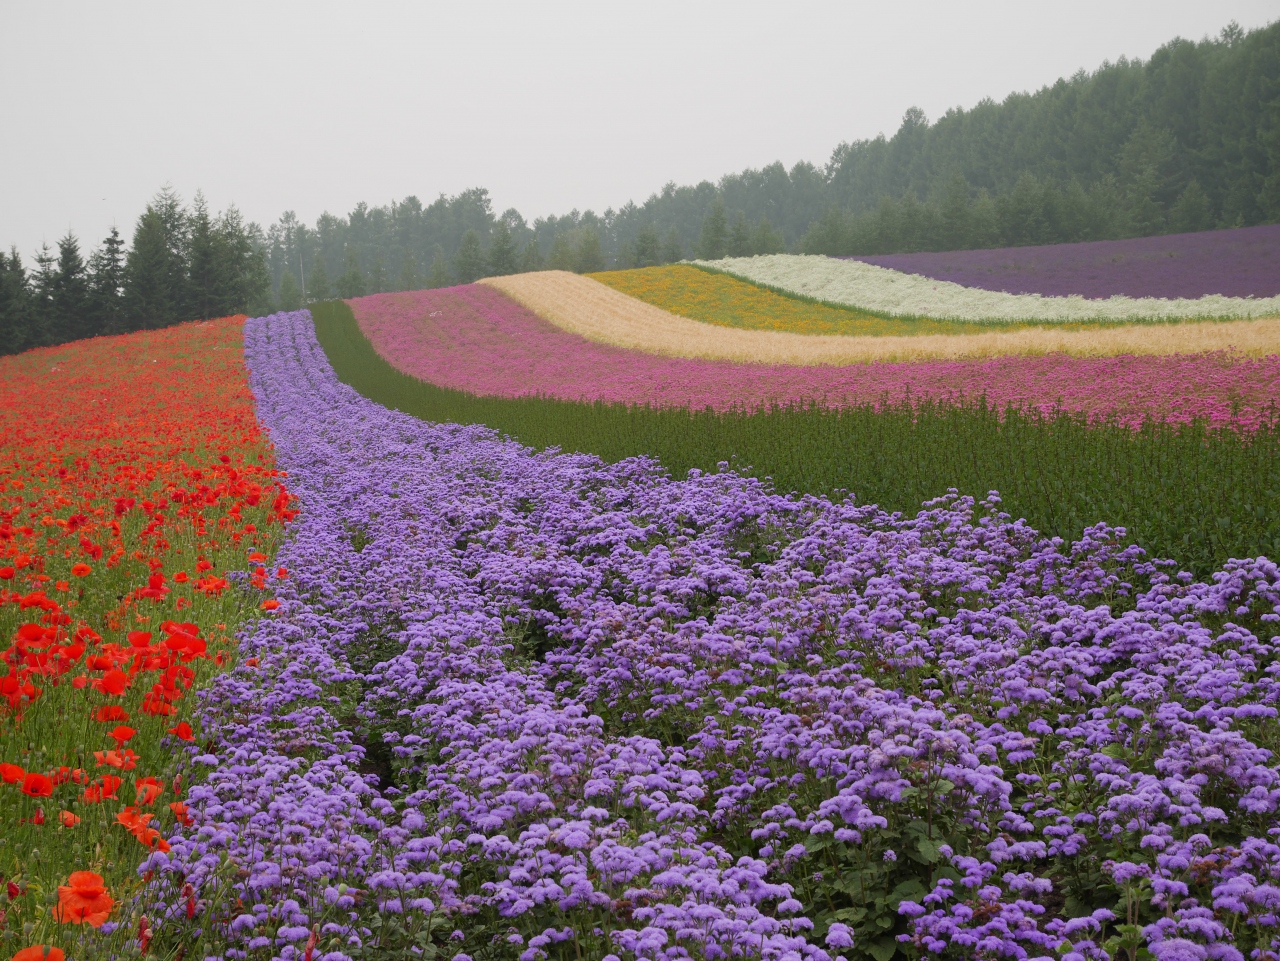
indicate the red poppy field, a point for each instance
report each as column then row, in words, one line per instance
column 135, row 487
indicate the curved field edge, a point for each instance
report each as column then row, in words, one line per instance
column 1184, row 492
column 977, row 325
column 870, row 287
column 597, row 312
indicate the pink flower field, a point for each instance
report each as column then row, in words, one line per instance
column 472, row 338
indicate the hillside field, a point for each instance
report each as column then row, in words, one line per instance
column 729, row 610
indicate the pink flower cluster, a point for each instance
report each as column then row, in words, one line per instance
column 474, row 339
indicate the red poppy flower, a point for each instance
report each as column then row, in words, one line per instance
column 182, row 732
column 37, row 785
column 149, row 788
column 81, row 570
column 270, row 605
column 125, row 760
column 111, row 712
column 83, row 900
column 6, row 573
column 180, row 812
column 114, row 682
column 122, row 733
column 68, row 819
column 11, row 773
column 37, row 953
column 181, row 577
column 140, row 638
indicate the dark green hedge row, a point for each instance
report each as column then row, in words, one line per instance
column 1188, row 493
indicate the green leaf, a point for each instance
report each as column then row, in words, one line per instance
column 882, row 950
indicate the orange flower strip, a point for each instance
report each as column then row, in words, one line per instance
column 83, row 900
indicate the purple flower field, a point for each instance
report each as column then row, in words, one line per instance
column 525, row 706
column 1244, row 262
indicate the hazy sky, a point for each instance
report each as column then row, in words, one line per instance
column 315, row 106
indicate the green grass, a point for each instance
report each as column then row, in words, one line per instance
column 1182, row 492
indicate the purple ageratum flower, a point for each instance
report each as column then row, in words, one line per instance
column 529, row 628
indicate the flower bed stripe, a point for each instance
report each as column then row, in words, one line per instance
column 1242, row 262
column 588, row 308
column 895, row 294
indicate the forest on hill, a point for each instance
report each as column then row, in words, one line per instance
column 1187, row 140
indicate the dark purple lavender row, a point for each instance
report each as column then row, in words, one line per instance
column 520, row 706
column 1244, row 262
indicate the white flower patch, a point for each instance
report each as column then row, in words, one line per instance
column 880, row 290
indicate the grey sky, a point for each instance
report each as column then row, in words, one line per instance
column 314, row 106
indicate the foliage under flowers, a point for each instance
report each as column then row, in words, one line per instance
column 133, row 474
column 518, row 705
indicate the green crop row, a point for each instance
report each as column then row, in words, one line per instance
column 1195, row 495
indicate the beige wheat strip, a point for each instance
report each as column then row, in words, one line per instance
column 587, row 307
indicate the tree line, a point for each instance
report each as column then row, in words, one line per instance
column 183, row 264
column 1187, row 140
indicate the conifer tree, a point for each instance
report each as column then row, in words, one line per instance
column 562, row 253
column 318, row 286
column 589, row 258
column 715, row 233
column 43, row 281
column 351, row 282
column 377, row 275
column 672, row 248
column 15, row 305
column 69, row 315
column 502, row 251
column 739, row 244
column 106, row 285
column 766, row 240
column 290, row 293
column 647, row 250
column 469, row 265
column 438, row 276
column 531, row 258
column 156, row 266
column 409, row 279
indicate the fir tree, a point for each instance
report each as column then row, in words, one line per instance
column 205, row 263
column 766, row 240
column 647, row 250
column 672, row 248
column 589, row 259
column 502, row 251
column 739, row 244
column 531, row 258
column 715, row 233
column 69, row 314
column 43, row 281
column 290, row 293
column 1192, row 211
column 377, row 275
column 351, row 283
column 106, row 285
column 562, row 254
column 318, row 286
column 15, row 305
column 438, row 276
column 156, row 267
column 409, row 279
column 469, row 265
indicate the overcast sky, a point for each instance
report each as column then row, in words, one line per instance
column 315, row 106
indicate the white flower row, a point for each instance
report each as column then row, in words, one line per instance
column 883, row 291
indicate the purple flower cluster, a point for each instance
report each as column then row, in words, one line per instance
column 522, row 705
column 1243, row 262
